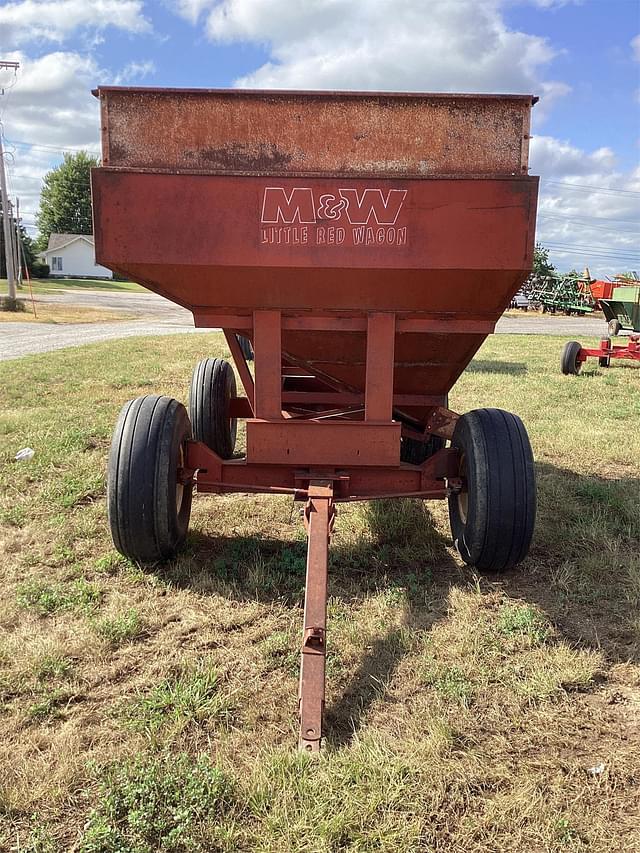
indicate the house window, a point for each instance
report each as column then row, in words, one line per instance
column 56, row 264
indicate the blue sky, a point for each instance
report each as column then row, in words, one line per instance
column 580, row 57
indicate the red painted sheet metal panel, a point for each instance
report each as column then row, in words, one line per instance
column 262, row 132
column 337, row 443
column 250, row 224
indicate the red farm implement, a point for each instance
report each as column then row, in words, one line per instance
column 574, row 355
column 366, row 245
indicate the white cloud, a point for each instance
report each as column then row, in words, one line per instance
column 134, row 72
column 549, row 4
column 635, row 47
column 55, row 20
column 191, row 9
column 51, row 102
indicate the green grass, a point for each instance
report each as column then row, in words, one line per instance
column 46, row 598
column 54, row 285
column 147, row 710
column 120, row 629
column 194, row 695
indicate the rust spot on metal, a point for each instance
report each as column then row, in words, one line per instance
column 241, row 157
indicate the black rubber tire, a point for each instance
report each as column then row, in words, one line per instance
column 416, row 452
column 569, row 363
column 245, row 346
column 614, row 327
column 213, row 384
column 492, row 520
column 148, row 509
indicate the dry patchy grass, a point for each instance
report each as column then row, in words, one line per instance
column 48, row 312
column 155, row 710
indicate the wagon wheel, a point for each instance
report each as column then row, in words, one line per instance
column 614, row 326
column 245, row 346
column 416, row 452
column 213, row 386
column 148, row 506
column 492, row 518
column 569, row 361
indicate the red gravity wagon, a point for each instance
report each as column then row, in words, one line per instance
column 366, row 244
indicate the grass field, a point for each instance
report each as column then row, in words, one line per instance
column 147, row 710
column 55, row 285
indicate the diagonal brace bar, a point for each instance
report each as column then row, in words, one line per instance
column 319, row 514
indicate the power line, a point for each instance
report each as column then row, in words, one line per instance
column 580, row 249
column 587, row 225
column 586, row 216
column 69, row 149
column 601, row 190
column 591, row 248
column 596, row 248
column 612, row 258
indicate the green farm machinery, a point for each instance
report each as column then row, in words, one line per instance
column 622, row 310
column 570, row 293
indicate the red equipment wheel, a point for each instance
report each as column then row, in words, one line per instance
column 492, row 518
column 569, row 361
column 213, row 385
column 148, row 507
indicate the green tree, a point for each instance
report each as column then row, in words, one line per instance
column 65, row 201
column 541, row 263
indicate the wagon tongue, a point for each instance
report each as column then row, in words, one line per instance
column 319, row 516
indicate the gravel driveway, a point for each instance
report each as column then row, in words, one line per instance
column 158, row 316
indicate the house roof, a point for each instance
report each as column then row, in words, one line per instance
column 57, row 241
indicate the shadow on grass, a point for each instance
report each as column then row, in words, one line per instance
column 584, row 565
column 483, row 365
column 343, row 718
column 396, row 558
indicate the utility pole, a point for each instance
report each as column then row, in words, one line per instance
column 6, row 213
column 6, row 224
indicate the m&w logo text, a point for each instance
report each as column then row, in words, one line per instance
column 353, row 217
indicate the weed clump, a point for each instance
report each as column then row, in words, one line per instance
column 47, row 598
column 10, row 303
column 161, row 804
column 124, row 628
column 193, row 696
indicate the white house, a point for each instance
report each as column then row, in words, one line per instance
column 73, row 256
